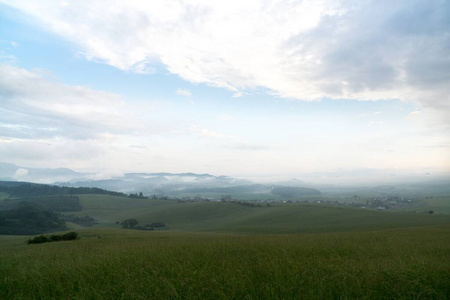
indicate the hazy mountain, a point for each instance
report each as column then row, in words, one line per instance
column 11, row 172
column 148, row 183
column 159, row 183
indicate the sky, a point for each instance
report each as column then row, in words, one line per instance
column 238, row 88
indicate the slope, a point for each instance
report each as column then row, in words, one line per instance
column 236, row 218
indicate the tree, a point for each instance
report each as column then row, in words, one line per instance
column 141, row 195
column 129, row 223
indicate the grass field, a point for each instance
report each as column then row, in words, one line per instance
column 127, row 264
column 213, row 250
column 234, row 218
column 437, row 204
column 3, row 196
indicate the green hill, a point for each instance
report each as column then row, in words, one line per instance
column 236, row 218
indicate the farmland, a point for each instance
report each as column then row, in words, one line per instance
column 223, row 250
column 129, row 264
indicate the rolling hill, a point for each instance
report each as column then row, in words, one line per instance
column 233, row 217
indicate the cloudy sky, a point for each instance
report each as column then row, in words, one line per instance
column 240, row 88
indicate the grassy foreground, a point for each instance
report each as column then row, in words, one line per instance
column 124, row 264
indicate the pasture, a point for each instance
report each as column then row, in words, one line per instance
column 235, row 218
column 213, row 250
column 408, row 263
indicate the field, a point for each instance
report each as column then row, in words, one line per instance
column 128, row 264
column 221, row 250
column 235, row 218
column 3, row 196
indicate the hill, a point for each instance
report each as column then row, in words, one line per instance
column 29, row 218
column 17, row 189
column 234, row 217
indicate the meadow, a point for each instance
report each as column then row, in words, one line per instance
column 220, row 250
column 234, row 218
column 408, row 263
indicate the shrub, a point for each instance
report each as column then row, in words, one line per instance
column 129, row 223
column 70, row 236
column 38, row 239
column 54, row 238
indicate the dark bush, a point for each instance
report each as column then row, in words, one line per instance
column 54, row 238
column 70, row 236
column 38, row 239
column 129, row 223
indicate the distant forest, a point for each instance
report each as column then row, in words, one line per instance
column 29, row 218
column 54, row 203
column 33, row 208
column 27, row 189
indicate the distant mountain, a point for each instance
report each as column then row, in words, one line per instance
column 148, row 183
column 239, row 189
column 11, row 172
column 160, row 183
column 293, row 192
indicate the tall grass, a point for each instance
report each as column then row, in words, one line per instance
column 126, row 264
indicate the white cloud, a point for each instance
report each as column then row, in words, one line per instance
column 226, row 118
column 47, row 122
column 251, row 147
column 20, row 173
column 104, row 175
column 184, row 93
column 35, row 107
column 7, row 58
column 207, row 133
column 305, row 49
column 414, row 114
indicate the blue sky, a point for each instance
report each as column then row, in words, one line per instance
column 254, row 88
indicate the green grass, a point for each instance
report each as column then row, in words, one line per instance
column 240, row 196
column 229, row 251
column 3, row 196
column 440, row 205
column 234, row 218
column 125, row 264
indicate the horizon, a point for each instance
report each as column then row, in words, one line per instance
column 254, row 89
column 342, row 178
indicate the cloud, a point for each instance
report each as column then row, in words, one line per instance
column 304, row 50
column 184, row 93
column 20, row 173
column 207, row 133
column 7, row 58
column 251, row 147
column 226, row 118
column 35, row 107
column 54, row 153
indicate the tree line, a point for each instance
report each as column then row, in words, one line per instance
column 28, row 189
